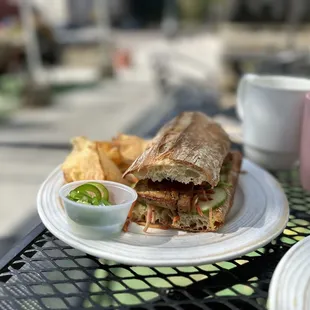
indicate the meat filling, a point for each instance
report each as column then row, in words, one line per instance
column 166, row 194
column 174, row 195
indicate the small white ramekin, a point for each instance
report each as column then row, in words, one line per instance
column 98, row 222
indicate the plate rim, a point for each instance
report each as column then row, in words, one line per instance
column 160, row 262
column 276, row 277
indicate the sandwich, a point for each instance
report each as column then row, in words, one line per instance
column 187, row 176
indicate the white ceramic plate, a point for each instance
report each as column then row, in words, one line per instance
column 259, row 214
column 290, row 284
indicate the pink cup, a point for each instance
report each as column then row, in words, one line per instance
column 305, row 146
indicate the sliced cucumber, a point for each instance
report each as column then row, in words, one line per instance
column 218, row 197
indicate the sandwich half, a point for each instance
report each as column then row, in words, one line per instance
column 187, row 176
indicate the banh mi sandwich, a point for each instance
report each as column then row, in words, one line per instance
column 187, row 176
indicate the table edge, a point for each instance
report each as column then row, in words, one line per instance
column 20, row 245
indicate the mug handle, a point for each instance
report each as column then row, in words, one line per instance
column 241, row 93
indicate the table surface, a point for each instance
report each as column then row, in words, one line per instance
column 42, row 272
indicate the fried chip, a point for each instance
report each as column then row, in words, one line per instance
column 110, row 150
column 102, row 160
column 111, row 171
column 130, row 147
column 83, row 162
column 88, row 162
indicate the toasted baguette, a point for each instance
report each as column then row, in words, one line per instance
column 194, row 222
column 190, row 148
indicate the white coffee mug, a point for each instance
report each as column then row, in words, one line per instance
column 271, row 108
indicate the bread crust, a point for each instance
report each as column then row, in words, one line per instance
column 189, row 148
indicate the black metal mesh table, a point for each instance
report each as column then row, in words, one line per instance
column 45, row 273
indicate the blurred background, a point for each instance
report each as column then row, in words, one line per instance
column 100, row 67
